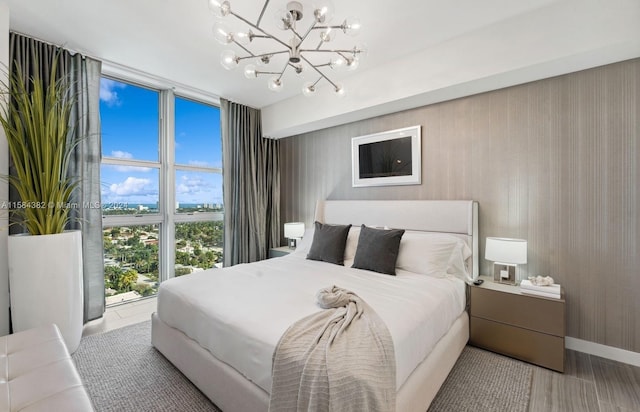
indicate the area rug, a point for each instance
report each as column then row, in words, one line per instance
column 123, row 372
column 484, row 381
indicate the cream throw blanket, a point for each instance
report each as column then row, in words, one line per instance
column 339, row 359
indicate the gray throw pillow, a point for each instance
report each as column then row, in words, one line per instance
column 378, row 250
column 328, row 243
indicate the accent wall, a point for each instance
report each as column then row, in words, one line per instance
column 555, row 162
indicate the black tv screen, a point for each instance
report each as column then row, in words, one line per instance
column 385, row 158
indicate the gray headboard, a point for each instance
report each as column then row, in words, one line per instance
column 459, row 217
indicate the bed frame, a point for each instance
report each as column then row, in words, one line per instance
column 232, row 392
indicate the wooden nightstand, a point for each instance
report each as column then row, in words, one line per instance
column 279, row 251
column 526, row 327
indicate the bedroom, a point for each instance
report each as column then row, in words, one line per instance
column 572, row 194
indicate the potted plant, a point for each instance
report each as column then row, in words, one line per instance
column 45, row 264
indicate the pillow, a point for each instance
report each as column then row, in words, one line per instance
column 352, row 243
column 431, row 253
column 305, row 243
column 378, row 250
column 457, row 266
column 328, row 243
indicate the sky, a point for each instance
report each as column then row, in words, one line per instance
column 130, row 128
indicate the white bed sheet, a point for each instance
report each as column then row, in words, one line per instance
column 240, row 313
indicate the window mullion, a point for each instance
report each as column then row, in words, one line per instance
column 167, row 185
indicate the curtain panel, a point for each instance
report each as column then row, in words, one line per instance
column 251, row 168
column 34, row 57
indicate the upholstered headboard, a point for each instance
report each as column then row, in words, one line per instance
column 458, row 217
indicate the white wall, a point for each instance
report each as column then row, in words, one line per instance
column 551, row 41
column 4, row 164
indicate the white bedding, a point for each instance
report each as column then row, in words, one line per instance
column 239, row 313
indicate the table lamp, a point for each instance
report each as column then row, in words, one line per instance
column 293, row 231
column 506, row 254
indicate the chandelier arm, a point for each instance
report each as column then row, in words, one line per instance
column 283, row 70
column 314, row 27
column 338, row 51
column 303, row 38
column 239, row 17
column 264, row 8
column 253, row 56
column 257, row 72
column 293, row 30
column 319, row 72
column 320, row 44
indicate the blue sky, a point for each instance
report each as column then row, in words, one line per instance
column 129, row 118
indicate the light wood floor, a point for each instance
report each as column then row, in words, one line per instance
column 590, row 383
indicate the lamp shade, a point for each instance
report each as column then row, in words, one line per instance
column 505, row 250
column 293, row 230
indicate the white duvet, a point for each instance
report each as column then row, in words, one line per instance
column 239, row 313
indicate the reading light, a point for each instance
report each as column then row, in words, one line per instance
column 506, row 254
column 293, row 231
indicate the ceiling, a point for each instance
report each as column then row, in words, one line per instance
column 419, row 51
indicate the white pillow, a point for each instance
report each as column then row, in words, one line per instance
column 352, row 243
column 304, row 244
column 433, row 254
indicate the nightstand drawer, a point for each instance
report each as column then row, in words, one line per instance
column 527, row 345
column 534, row 313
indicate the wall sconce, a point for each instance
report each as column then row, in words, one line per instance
column 294, row 232
column 506, row 254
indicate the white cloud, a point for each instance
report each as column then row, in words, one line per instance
column 119, row 154
column 190, row 185
column 132, row 186
column 108, row 93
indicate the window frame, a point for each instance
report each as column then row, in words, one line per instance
column 167, row 216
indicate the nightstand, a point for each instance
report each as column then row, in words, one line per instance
column 279, row 251
column 525, row 327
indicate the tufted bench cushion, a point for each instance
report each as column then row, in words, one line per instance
column 37, row 374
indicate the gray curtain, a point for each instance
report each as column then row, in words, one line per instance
column 84, row 75
column 251, row 186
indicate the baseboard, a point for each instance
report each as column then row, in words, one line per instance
column 603, row 351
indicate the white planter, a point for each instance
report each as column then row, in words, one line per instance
column 45, row 282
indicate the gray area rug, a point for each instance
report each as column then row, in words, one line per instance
column 485, row 381
column 123, row 372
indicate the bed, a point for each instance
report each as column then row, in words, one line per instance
column 220, row 327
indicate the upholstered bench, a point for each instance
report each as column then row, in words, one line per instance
column 37, row 374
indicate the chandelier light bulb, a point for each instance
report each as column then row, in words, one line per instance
column 283, row 19
column 250, row 71
column 244, row 38
column 339, row 89
column 360, row 51
column 323, row 11
column 309, row 89
column 222, row 33
column 220, row 8
column 275, row 84
column 264, row 60
column 351, row 26
column 325, row 35
column 229, row 60
column 352, row 63
column 338, row 63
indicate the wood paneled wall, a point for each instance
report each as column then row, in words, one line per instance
column 556, row 162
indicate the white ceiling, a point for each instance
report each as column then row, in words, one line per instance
column 420, row 51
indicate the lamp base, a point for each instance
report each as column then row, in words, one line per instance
column 504, row 273
column 292, row 243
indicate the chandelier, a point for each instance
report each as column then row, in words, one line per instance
column 302, row 52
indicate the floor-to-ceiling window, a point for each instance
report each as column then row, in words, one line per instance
column 161, row 187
